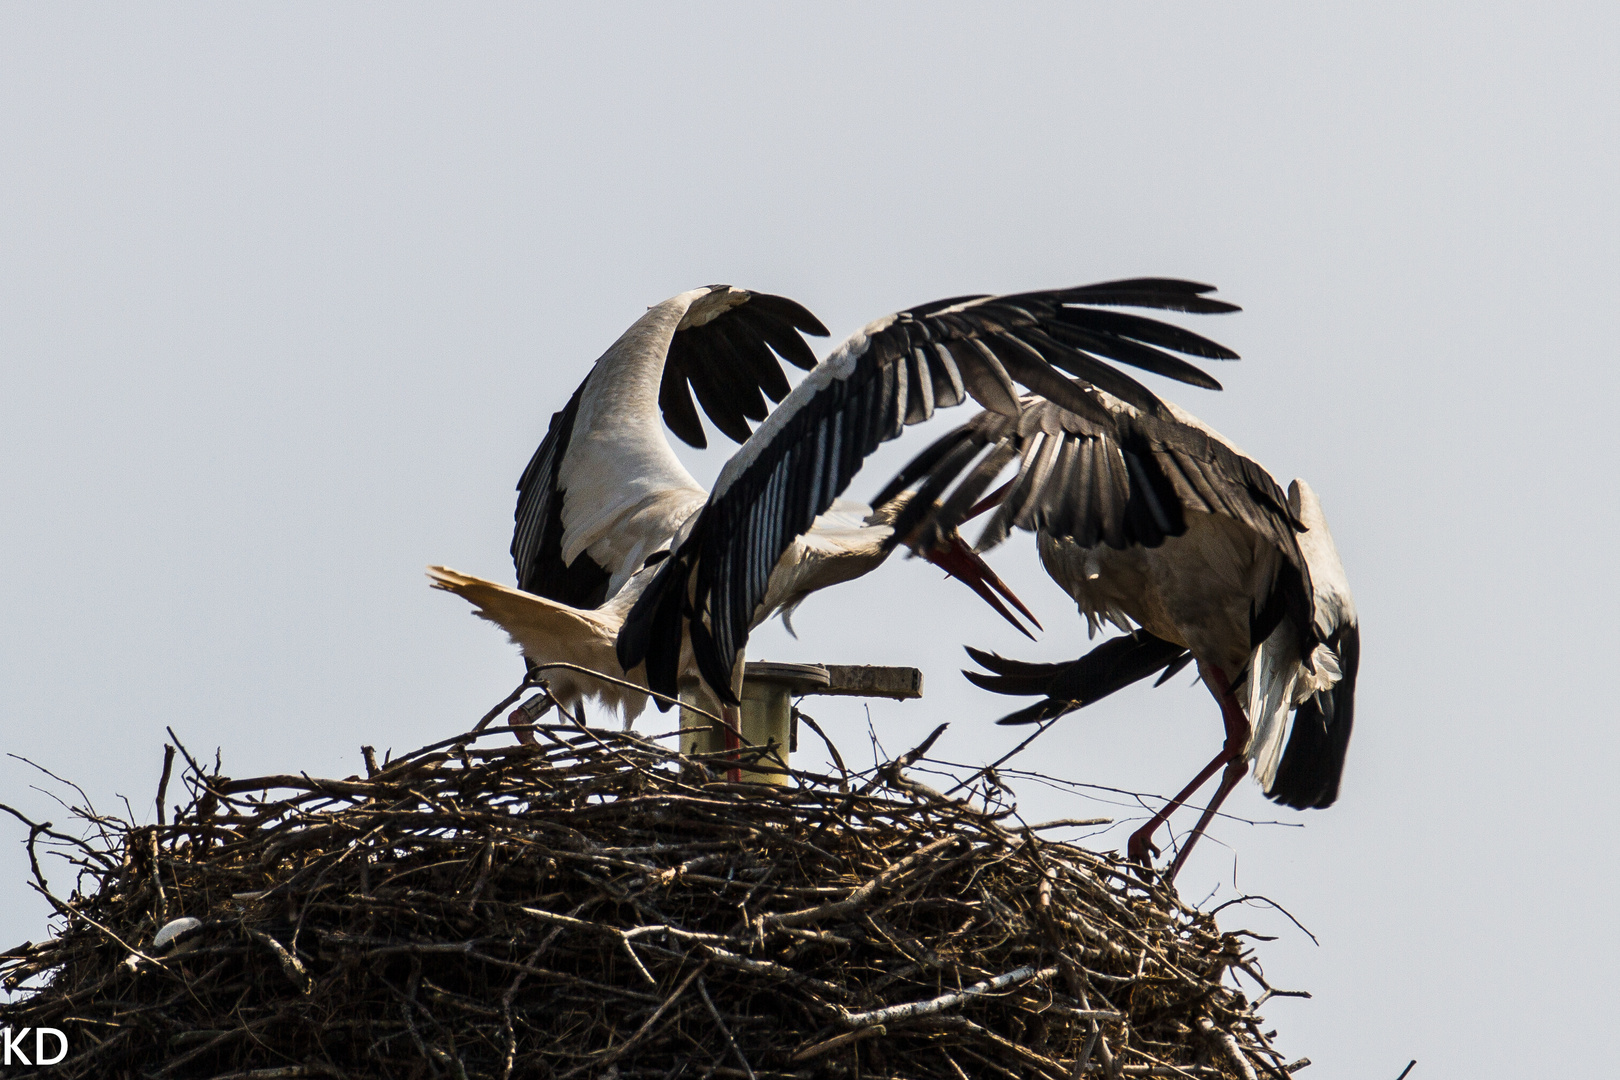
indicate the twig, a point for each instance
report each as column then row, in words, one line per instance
column 916, row 753
column 860, row 895
column 1406, row 1070
column 1267, row 900
column 1068, row 823
column 832, row 749
column 731, row 1042
column 529, row 683
column 1004, row 758
column 1084, row 1059
column 913, row 1009
column 827, row 1046
column 624, row 1048
column 1229, row 1046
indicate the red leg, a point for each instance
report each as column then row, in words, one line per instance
column 733, row 716
column 1138, row 847
column 522, row 721
column 1234, row 773
column 1231, row 756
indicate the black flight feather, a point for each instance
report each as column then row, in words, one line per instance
column 1111, row 666
column 538, row 528
column 727, row 364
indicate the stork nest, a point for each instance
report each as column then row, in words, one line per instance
column 599, row 905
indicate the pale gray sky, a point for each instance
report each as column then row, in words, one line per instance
column 288, row 293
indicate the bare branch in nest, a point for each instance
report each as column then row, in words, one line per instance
column 163, row 782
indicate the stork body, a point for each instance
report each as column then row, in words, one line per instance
column 1161, row 527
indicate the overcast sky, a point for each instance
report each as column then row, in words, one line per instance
column 288, row 294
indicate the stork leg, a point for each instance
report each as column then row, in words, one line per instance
column 732, row 715
column 1138, row 847
column 522, row 722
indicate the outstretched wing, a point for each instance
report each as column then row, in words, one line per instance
column 722, row 343
column 897, row 371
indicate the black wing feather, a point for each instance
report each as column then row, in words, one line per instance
column 715, row 383
column 791, row 315
column 1112, row 665
column 538, row 527
column 1167, row 294
column 727, row 362
column 675, row 400
column 1125, row 351
column 744, row 334
column 1126, row 326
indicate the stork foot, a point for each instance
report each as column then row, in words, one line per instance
column 1140, row 848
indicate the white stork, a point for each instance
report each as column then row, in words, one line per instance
column 1163, row 528
column 703, row 599
column 605, row 494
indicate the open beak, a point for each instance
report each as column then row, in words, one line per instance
column 963, row 563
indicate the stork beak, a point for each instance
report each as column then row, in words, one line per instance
column 963, row 563
column 990, row 500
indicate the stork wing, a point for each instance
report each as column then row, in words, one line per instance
column 719, row 342
column 895, row 372
column 1127, row 479
column 726, row 359
column 1113, row 665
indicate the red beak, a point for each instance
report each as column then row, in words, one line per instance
column 963, row 563
column 992, row 499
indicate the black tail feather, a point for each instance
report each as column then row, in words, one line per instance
column 1039, row 713
column 1011, row 685
column 1313, row 761
column 1002, row 665
column 924, row 462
